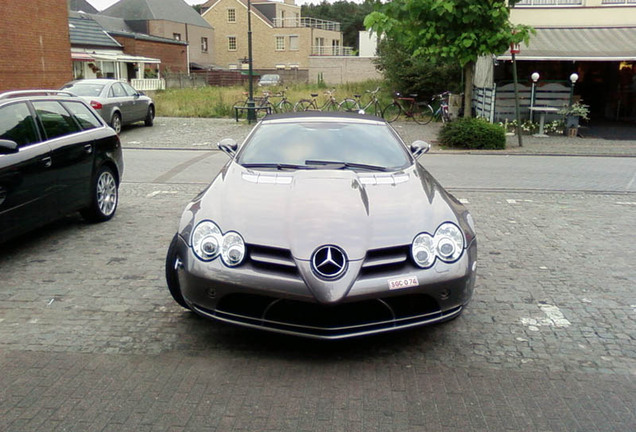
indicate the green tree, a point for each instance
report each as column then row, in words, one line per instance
column 449, row 29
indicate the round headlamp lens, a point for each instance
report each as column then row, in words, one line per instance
column 449, row 241
column 233, row 249
column 422, row 250
column 206, row 240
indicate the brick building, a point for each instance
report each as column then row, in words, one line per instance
column 35, row 51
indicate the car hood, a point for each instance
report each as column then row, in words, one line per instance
column 305, row 209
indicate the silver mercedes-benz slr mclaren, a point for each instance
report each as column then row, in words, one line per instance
column 325, row 226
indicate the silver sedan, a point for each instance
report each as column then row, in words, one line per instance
column 117, row 102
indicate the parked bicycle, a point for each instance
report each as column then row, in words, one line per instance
column 284, row 105
column 262, row 105
column 372, row 106
column 331, row 104
column 443, row 112
column 421, row 112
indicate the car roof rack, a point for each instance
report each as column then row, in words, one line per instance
column 22, row 93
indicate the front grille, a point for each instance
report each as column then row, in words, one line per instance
column 272, row 259
column 327, row 321
column 391, row 259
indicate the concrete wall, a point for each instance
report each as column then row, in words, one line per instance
column 35, row 50
column 339, row 70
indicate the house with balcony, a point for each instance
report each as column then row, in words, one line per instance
column 583, row 50
column 282, row 40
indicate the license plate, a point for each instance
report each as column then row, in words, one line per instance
column 403, row 282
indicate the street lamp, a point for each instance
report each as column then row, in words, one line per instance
column 573, row 78
column 535, row 77
column 251, row 114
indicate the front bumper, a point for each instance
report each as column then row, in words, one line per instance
column 277, row 298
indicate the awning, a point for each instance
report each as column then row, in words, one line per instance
column 76, row 56
column 115, row 57
column 579, row 44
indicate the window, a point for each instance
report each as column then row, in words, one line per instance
column 56, row 120
column 280, row 43
column 16, row 124
column 117, row 90
column 83, row 115
column 204, row 44
column 231, row 15
column 293, row 43
column 130, row 91
column 231, row 43
column 176, row 36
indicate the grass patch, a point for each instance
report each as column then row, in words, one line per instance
column 218, row 102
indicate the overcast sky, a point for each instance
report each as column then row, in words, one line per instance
column 103, row 4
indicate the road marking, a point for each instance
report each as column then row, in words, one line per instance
column 554, row 318
column 155, row 193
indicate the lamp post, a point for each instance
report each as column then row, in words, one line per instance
column 573, row 78
column 535, row 77
column 251, row 114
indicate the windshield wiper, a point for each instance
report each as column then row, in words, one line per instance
column 278, row 166
column 345, row 165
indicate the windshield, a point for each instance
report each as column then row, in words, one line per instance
column 84, row 89
column 326, row 145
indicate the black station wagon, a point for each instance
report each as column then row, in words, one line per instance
column 57, row 156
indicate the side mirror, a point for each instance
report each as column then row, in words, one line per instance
column 8, row 146
column 419, row 147
column 229, row 146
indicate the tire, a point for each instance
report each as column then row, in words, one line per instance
column 303, row 105
column 115, row 122
column 349, row 105
column 423, row 114
column 260, row 113
column 150, row 116
column 285, row 107
column 104, row 196
column 172, row 279
column 391, row 112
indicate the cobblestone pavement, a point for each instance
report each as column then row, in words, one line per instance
column 90, row 339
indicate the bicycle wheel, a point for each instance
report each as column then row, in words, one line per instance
column 303, row 105
column 392, row 112
column 262, row 112
column 348, row 105
column 284, row 107
column 423, row 113
column 374, row 109
column 330, row 106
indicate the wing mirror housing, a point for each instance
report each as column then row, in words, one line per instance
column 229, row 146
column 419, row 147
column 8, row 146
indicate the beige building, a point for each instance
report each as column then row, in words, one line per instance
column 282, row 39
column 594, row 39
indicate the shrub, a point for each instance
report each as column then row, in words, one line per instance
column 472, row 133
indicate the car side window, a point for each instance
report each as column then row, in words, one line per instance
column 17, row 124
column 55, row 119
column 83, row 115
column 118, row 90
column 129, row 90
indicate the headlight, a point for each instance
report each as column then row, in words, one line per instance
column 423, row 250
column 208, row 242
column 447, row 244
column 233, row 249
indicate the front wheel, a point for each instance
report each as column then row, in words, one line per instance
column 172, row 263
column 348, row 105
column 105, row 196
column 150, row 116
column 423, row 114
column 285, row 107
column 303, row 105
column 391, row 112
